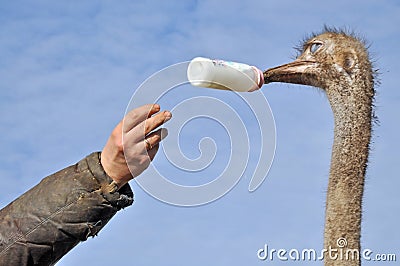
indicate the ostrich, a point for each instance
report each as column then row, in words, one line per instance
column 339, row 64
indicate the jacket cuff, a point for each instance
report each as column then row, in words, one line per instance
column 117, row 198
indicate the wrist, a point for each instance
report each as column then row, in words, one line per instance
column 109, row 167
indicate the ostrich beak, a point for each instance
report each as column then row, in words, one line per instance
column 297, row 72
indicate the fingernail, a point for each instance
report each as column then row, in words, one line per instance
column 156, row 106
column 164, row 133
column 167, row 115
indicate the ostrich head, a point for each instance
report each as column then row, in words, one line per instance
column 335, row 61
column 339, row 64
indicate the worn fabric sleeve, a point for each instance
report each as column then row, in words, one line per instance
column 65, row 208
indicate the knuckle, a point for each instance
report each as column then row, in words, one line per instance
column 120, row 146
column 157, row 138
column 117, row 140
column 159, row 119
column 147, row 126
column 144, row 161
column 133, row 115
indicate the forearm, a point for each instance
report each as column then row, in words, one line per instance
column 65, row 208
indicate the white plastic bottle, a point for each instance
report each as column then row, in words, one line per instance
column 224, row 75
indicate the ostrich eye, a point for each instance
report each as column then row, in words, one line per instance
column 314, row 47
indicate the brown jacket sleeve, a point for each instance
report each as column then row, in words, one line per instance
column 65, row 208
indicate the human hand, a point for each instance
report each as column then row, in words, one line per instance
column 132, row 144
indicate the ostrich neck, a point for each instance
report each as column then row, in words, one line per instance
column 352, row 115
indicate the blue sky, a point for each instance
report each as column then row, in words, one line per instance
column 69, row 68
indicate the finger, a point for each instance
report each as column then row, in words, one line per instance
column 155, row 121
column 138, row 115
column 152, row 153
column 140, row 131
column 155, row 137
